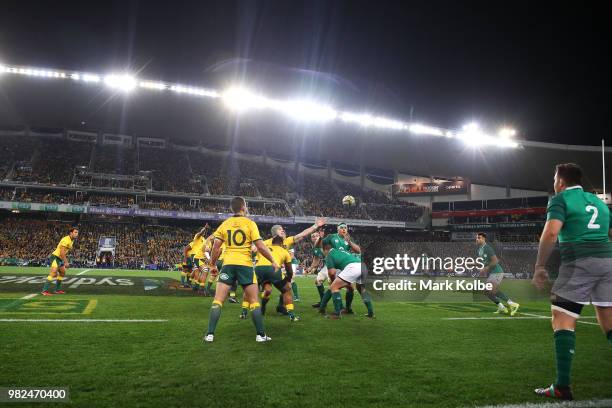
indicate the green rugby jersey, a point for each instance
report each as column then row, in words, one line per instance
column 338, row 259
column 337, row 242
column 586, row 221
column 318, row 252
column 486, row 252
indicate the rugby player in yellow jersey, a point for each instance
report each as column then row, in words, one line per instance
column 187, row 266
column 200, row 262
column 238, row 233
column 267, row 276
column 59, row 263
column 288, row 242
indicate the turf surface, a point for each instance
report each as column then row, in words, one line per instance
column 409, row 356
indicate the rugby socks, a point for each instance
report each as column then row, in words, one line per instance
column 493, row 298
column 257, row 317
column 183, row 278
column 609, row 336
column 367, row 300
column 294, row 288
column 281, row 302
column 245, row 308
column 58, row 282
column 47, row 283
column 213, row 318
column 565, row 343
column 325, row 299
column 502, row 296
column 337, row 298
column 290, row 309
column 349, row 299
column 321, row 291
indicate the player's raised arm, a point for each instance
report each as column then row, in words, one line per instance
column 354, row 247
column 319, row 222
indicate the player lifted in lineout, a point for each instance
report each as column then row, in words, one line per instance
column 347, row 269
column 59, row 263
column 582, row 224
column 341, row 241
column 238, row 233
column 494, row 273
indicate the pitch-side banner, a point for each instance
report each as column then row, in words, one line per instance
column 426, row 189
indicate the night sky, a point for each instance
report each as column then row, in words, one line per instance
column 543, row 68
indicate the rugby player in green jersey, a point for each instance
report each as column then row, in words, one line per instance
column 581, row 223
column 494, row 273
column 348, row 269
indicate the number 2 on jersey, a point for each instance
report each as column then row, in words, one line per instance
column 591, row 224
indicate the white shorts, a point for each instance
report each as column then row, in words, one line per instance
column 495, row 278
column 322, row 276
column 352, row 273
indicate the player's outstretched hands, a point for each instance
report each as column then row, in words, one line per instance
column 213, row 270
column 319, row 222
column 540, row 276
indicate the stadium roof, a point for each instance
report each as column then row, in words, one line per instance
column 184, row 120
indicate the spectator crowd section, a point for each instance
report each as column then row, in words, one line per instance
column 141, row 245
column 180, row 172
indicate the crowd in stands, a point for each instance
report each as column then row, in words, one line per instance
column 53, row 162
column 143, row 245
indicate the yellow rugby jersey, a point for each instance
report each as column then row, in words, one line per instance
column 287, row 242
column 237, row 233
column 65, row 242
column 222, row 252
column 280, row 255
column 197, row 247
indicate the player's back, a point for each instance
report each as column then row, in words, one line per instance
column 237, row 233
column 586, row 221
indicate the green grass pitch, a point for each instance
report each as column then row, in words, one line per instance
column 409, row 356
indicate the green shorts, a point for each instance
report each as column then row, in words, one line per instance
column 55, row 261
column 244, row 275
column 268, row 274
column 189, row 262
column 219, row 265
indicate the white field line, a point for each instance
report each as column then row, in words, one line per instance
column 83, row 320
column 528, row 316
column 30, row 296
column 593, row 403
column 579, row 321
column 83, row 271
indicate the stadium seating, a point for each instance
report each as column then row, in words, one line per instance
column 51, row 161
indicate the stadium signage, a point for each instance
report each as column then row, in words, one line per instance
column 428, row 189
column 192, row 215
column 499, row 225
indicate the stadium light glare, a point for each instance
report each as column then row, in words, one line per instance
column 506, row 132
column 2, row 68
column 242, row 99
column 91, row 78
column 362, row 119
column 419, row 129
column 306, row 111
column 152, row 85
column 124, row 83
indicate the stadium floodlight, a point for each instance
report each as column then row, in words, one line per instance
column 91, row 78
column 152, row 85
column 75, row 76
column 385, row 123
column 2, row 68
column 241, row 99
column 124, row 83
column 419, row 129
column 306, row 111
column 362, row 119
column 506, row 132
